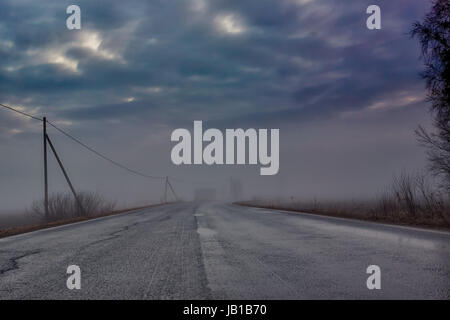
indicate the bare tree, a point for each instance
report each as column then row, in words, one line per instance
column 434, row 36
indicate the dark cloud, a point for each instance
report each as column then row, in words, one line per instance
column 285, row 49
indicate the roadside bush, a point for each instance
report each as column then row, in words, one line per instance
column 412, row 198
column 64, row 206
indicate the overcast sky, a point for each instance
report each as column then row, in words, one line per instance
column 346, row 99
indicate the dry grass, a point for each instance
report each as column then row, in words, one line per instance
column 64, row 206
column 411, row 200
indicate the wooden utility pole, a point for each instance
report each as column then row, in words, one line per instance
column 45, row 170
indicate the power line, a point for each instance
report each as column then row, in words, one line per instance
column 22, row 113
column 78, row 141
column 102, row 155
column 83, row 144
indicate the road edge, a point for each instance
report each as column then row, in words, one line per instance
column 323, row 215
column 19, row 231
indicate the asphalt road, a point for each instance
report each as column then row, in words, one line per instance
column 223, row 251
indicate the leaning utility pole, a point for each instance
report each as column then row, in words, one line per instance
column 47, row 140
column 77, row 199
column 45, row 170
column 173, row 191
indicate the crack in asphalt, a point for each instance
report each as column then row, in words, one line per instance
column 113, row 235
column 13, row 263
